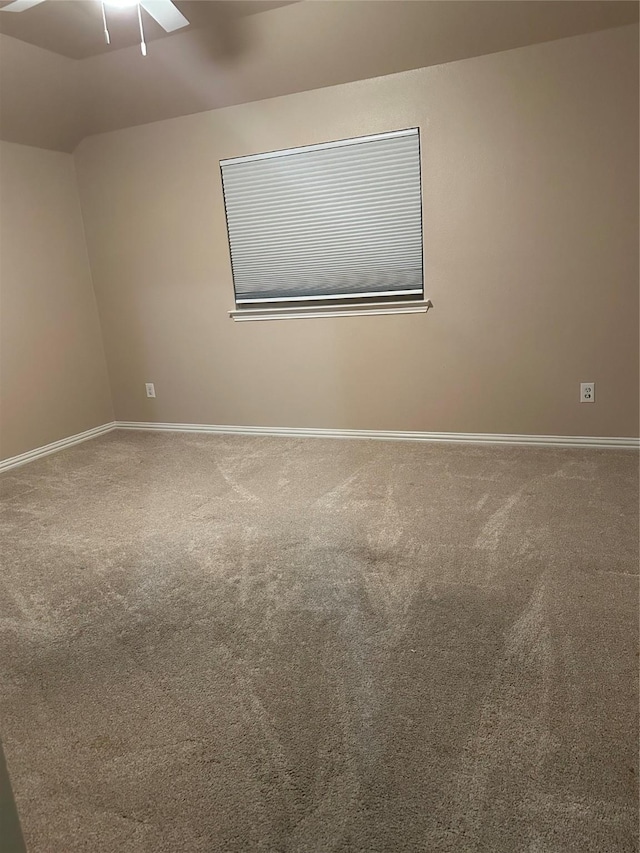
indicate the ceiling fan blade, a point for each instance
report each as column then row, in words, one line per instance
column 20, row 5
column 164, row 12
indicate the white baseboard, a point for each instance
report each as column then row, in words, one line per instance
column 54, row 447
column 391, row 435
column 304, row 432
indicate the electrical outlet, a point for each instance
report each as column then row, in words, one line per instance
column 151, row 391
column 587, row 392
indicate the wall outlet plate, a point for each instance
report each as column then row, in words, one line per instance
column 587, row 392
column 151, row 391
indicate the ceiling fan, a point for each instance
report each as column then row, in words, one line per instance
column 165, row 12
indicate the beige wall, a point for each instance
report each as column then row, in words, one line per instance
column 530, row 182
column 53, row 379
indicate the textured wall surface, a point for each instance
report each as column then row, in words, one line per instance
column 53, row 376
column 530, row 185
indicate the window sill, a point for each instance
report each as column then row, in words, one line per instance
column 316, row 311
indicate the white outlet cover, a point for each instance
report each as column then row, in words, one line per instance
column 150, row 389
column 587, row 392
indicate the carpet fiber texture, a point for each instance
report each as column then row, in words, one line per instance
column 223, row 643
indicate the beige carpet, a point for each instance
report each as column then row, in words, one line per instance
column 260, row 644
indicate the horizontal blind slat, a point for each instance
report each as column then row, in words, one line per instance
column 307, row 228
column 368, row 148
column 349, row 199
column 379, row 257
column 355, row 214
column 343, row 204
column 347, row 278
column 388, row 167
column 335, row 249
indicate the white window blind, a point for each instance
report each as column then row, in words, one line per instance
column 336, row 221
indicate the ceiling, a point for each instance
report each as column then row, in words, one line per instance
column 73, row 28
column 50, row 99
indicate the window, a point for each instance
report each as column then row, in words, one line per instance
column 326, row 229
